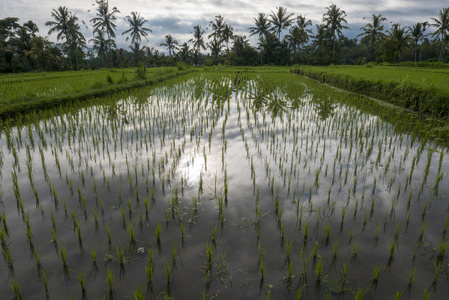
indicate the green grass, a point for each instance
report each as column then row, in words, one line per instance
column 27, row 92
column 424, row 77
column 423, row 90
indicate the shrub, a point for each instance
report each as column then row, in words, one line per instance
column 182, row 66
column 370, row 64
column 109, row 79
column 141, row 71
column 209, row 62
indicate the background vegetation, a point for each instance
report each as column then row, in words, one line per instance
column 283, row 39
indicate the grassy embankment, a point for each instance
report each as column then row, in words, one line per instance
column 423, row 90
column 22, row 93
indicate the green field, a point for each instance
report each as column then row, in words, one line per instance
column 423, row 90
column 437, row 79
column 20, row 93
column 224, row 184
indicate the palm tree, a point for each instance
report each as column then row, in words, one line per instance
column 320, row 43
column 31, row 27
column 76, row 40
column 240, row 44
column 22, row 43
column 217, row 28
column 104, row 21
column 268, row 46
column 417, row 33
column 400, row 37
column 299, row 34
column 302, row 23
column 294, row 39
column 215, row 47
column 151, row 54
column 184, row 52
column 227, row 35
column 372, row 32
column 66, row 25
column 100, row 44
column 170, row 43
column 280, row 20
column 136, row 31
column 262, row 27
column 333, row 19
column 442, row 25
column 8, row 27
column 198, row 41
column 61, row 23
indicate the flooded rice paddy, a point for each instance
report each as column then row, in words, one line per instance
column 226, row 186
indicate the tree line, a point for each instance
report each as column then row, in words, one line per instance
column 283, row 39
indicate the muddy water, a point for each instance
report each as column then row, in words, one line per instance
column 255, row 167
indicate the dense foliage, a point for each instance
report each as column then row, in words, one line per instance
column 283, row 39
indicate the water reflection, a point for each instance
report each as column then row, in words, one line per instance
column 324, row 107
column 276, row 100
column 196, row 171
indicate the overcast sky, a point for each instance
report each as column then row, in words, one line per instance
column 178, row 17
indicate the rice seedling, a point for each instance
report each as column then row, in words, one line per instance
column 262, row 269
column 110, row 280
column 15, row 287
column 427, row 295
column 360, row 293
column 149, row 271
column 392, row 252
column 397, row 230
column 108, row 230
column 446, row 224
column 441, row 250
column 158, row 232
column 398, row 295
column 335, row 249
column 8, row 257
column 411, row 277
column 63, row 255
column 83, row 285
column 123, row 217
column 138, row 293
column 319, row 268
column 421, row 232
column 376, row 273
column 121, row 257
column 208, row 257
column 45, row 283
column 355, row 251
column 132, row 235
column 306, row 230
column 289, row 276
column 343, row 212
column 37, row 257
column 174, row 257
column 423, row 215
column 4, row 223
column 344, row 273
column 167, row 275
